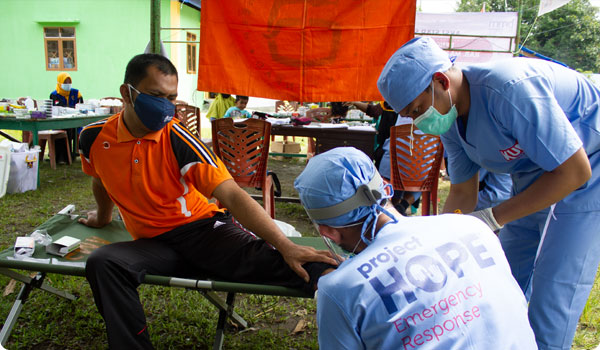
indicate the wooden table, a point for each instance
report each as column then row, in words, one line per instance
column 327, row 138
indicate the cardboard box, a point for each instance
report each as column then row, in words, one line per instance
column 277, row 147
column 291, row 147
column 24, row 247
column 63, row 246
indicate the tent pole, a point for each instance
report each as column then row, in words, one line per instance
column 155, row 26
column 518, row 39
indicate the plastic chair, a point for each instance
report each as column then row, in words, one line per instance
column 281, row 106
column 419, row 171
column 189, row 116
column 112, row 98
column 322, row 114
column 244, row 149
column 115, row 109
column 48, row 135
column 51, row 136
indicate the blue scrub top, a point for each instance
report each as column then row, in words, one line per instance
column 498, row 188
column 431, row 282
column 526, row 117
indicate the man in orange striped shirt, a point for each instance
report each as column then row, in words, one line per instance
column 160, row 177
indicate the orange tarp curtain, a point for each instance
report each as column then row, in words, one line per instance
column 300, row 50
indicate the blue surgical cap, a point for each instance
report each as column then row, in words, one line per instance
column 409, row 71
column 332, row 177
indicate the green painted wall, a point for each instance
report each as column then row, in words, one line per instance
column 188, row 18
column 108, row 34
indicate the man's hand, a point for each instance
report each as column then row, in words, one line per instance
column 93, row 220
column 253, row 217
column 296, row 255
column 103, row 215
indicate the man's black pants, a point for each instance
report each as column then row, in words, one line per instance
column 218, row 248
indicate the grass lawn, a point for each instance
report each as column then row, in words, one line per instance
column 178, row 319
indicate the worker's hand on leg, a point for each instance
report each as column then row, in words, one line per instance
column 295, row 256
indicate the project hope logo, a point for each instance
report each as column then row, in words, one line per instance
column 428, row 273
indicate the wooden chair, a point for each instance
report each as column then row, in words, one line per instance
column 50, row 136
column 244, row 149
column 419, row 171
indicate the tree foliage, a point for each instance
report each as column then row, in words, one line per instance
column 570, row 34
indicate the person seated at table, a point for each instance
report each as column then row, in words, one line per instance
column 385, row 118
column 239, row 110
column 65, row 96
column 160, row 176
column 434, row 282
column 220, row 106
column 338, row 110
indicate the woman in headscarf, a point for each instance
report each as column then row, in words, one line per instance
column 65, row 96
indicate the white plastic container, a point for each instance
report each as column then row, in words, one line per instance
column 4, row 168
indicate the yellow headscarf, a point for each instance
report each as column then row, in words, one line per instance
column 61, row 80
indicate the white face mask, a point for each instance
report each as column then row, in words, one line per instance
column 66, row 87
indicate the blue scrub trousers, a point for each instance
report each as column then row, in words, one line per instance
column 564, row 274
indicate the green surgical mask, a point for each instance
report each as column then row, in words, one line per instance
column 433, row 122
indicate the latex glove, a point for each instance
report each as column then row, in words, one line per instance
column 486, row 215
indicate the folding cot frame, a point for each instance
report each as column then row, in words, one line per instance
column 73, row 264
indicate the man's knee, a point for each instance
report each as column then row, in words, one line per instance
column 98, row 260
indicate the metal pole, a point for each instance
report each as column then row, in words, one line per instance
column 155, row 26
column 518, row 39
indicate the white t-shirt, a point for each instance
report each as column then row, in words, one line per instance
column 435, row 282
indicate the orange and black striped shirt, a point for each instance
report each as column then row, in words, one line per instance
column 158, row 182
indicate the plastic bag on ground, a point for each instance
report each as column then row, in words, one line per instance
column 287, row 229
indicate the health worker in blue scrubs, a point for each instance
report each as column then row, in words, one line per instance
column 493, row 189
column 426, row 282
column 539, row 122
